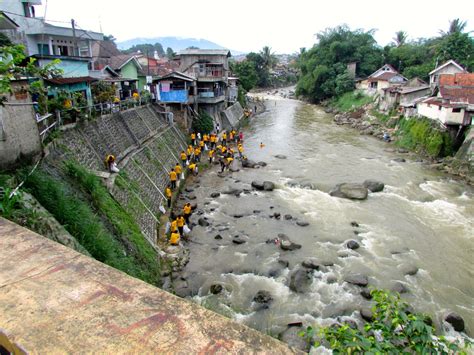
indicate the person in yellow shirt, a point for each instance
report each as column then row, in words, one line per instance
column 223, row 150
column 229, row 161
column 224, row 138
column 193, row 169
column 213, row 140
column 190, row 151
column 173, row 178
column 174, row 238
column 197, row 154
column 241, row 150
column 211, row 155
column 183, row 157
column 187, row 212
column 262, row 145
column 205, row 138
column 201, row 145
column 231, row 136
column 180, row 221
column 174, row 225
column 193, row 138
column 168, row 194
column 178, row 169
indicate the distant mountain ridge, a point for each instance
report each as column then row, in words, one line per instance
column 176, row 43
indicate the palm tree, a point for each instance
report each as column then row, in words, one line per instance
column 455, row 26
column 400, row 38
column 268, row 57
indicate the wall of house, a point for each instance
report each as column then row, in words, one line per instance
column 443, row 114
column 449, row 69
column 19, row 135
column 410, row 97
column 71, row 68
column 388, row 100
column 188, row 60
column 129, row 71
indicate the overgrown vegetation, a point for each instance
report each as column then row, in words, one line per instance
column 421, row 134
column 125, row 248
column 394, row 329
column 204, row 123
column 324, row 67
column 351, row 101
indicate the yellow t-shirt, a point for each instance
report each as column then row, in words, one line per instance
column 193, row 136
column 178, row 169
column 174, row 226
column 197, row 151
column 173, row 176
column 184, row 156
column 190, row 150
column 180, row 221
column 174, row 239
column 187, row 209
column 211, row 153
column 192, row 166
column 168, row 192
column 224, row 136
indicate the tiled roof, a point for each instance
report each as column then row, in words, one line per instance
column 118, row 61
column 457, row 88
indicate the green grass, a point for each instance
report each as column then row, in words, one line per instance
column 127, row 252
column 420, row 134
column 351, row 101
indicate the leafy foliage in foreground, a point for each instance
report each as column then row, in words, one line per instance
column 394, row 329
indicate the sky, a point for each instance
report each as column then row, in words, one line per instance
column 248, row 25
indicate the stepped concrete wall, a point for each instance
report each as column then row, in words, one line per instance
column 232, row 116
column 146, row 147
column 54, row 300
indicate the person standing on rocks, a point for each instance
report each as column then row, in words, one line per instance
column 173, row 178
column 180, row 220
column 189, row 151
column 174, row 238
column 187, row 212
column 193, row 139
column 224, row 138
column 197, row 154
column 240, row 148
column 211, row 155
column 179, row 171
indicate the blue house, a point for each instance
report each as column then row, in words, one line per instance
column 176, row 88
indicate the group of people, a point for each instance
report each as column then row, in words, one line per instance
column 217, row 147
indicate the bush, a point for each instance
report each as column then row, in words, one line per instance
column 351, row 100
column 204, row 123
column 394, row 329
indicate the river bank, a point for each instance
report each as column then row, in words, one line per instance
column 420, row 221
column 368, row 121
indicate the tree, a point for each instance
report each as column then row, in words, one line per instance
column 110, row 38
column 4, row 40
column 247, row 74
column 324, row 66
column 269, row 58
column 400, row 38
column 147, row 48
column 455, row 26
column 459, row 47
column 170, row 53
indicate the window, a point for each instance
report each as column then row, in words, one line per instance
column 456, row 109
column 43, row 49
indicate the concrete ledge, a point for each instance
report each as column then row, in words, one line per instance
column 55, row 300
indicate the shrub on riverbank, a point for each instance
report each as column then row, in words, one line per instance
column 421, row 134
column 394, row 329
column 204, row 123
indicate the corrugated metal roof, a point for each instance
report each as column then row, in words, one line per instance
column 64, row 81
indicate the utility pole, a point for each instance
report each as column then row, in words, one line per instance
column 73, row 24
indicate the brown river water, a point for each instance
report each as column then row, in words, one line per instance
column 423, row 219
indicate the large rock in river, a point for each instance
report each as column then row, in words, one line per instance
column 456, row 321
column 374, row 185
column 301, row 280
column 357, row 279
column 247, row 163
column 350, row 190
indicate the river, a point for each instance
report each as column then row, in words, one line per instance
column 422, row 220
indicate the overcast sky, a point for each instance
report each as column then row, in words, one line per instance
column 248, row 25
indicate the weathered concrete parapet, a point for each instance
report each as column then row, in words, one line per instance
column 55, row 300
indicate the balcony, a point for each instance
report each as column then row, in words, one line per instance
column 210, row 97
column 210, row 73
column 174, row 96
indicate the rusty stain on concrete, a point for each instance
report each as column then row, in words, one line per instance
column 55, row 300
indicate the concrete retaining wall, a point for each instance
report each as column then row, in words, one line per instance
column 232, row 116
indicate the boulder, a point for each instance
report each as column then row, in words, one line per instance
column 288, row 217
column 289, row 245
column 268, row 186
column 399, row 160
column 291, row 337
column 456, row 321
column 236, row 192
column 399, row 287
column 354, row 224
column 311, row 263
column 366, row 314
column 203, row 222
column 284, row 262
column 238, row 240
column 262, row 164
column 350, row 191
column 247, row 163
column 302, row 223
column 301, row 280
column 258, row 185
column 365, row 292
column 352, row 244
column 215, row 194
column 263, row 297
column 374, row 185
column 331, row 278
column 218, row 237
column 280, row 156
column 357, row 279
column 410, row 270
column 216, row 289
column 402, row 150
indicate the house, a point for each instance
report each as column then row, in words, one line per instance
column 404, row 98
column 454, row 104
column 450, row 67
column 210, row 67
column 46, row 42
column 232, row 89
column 175, row 88
column 381, row 79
